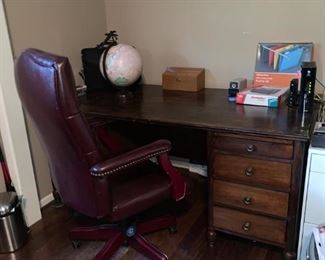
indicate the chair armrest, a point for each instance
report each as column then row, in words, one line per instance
column 130, row 158
column 177, row 179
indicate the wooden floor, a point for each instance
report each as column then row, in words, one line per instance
column 49, row 240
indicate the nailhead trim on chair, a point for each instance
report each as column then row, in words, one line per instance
column 128, row 164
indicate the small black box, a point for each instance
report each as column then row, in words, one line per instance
column 90, row 61
column 293, row 93
column 307, row 87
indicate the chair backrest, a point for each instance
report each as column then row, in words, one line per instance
column 47, row 91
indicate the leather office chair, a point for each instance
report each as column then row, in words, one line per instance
column 115, row 189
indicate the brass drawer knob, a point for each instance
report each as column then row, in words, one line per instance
column 249, row 171
column 250, row 148
column 246, row 226
column 247, row 200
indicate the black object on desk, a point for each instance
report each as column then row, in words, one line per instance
column 91, row 62
column 307, row 87
column 292, row 99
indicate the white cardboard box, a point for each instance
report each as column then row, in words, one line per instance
column 262, row 96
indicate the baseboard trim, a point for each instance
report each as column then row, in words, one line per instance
column 46, row 200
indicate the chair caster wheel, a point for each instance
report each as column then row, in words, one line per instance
column 172, row 229
column 75, row 244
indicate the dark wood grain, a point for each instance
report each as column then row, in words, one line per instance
column 49, row 237
column 250, row 198
column 261, row 228
column 207, row 109
column 294, row 211
column 250, row 146
column 252, row 171
column 229, row 198
column 277, row 135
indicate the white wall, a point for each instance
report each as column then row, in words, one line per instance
column 59, row 26
column 63, row 27
column 218, row 35
column 13, row 130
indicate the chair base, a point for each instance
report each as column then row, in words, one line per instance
column 132, row 236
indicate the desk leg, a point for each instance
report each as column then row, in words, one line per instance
column 211, row 237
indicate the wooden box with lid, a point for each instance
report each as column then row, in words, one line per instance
column 183, row 79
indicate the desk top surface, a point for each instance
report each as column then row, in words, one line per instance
column 207, row 109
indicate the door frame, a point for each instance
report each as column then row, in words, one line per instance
column 13, row 130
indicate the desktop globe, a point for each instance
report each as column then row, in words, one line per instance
column 121, row 65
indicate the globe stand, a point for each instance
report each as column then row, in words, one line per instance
column 124, row 95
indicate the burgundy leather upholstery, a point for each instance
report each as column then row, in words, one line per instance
column 115, row 188
column 133, row 194
column 45, row 85
column 130, row 158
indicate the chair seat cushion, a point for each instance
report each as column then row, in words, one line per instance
column 137, row 189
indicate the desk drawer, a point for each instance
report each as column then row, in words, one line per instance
column 253, row 147
column 256, row 227
column 254, row 171
column 246, row 197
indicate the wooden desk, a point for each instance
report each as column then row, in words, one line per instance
column 256, row 155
